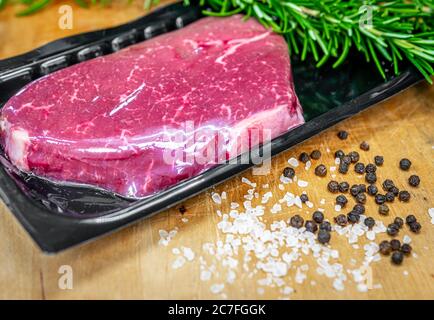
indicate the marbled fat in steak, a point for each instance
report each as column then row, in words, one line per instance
column 106, row 121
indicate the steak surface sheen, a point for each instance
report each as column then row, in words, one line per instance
column 106, row 121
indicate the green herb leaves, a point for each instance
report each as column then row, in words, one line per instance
column 328, row 29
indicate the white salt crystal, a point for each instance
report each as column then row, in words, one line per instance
column 276, row 208
column 338, row 208
column 332, row 169
column 293, row 162
column 431, row 214
column 406, row 239
column 281, row 187
column 217, row 287
column 248, row 182
column 224, row 195
column 308, row 165
column 337, row 161
column 176, row 251
column 205, row 275
column 188, row 253
column 309, row 204
column 266, row 197
column 216, row 198
column 178, row 263
column 302, row 183
column 405, row 273
column 185, row 220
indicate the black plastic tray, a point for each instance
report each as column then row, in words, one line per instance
column 60, row 216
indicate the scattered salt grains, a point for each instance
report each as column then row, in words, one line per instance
column 248, row 182
column 166, row 237
column 216, row 198
column 224, row 195
column 188, row 253
column 179, row 262
column 308, row 165
column 293, row 162
column 205, row 275
column 405, row 273
column 338, row 208
column 406, row 239
column 431, row 214
column 267, row 196
column 337, row 161
column 281, row 187
column 302, row 183
column 284, row 180
column 217, row 288
column 276, row 208
column 309, row 204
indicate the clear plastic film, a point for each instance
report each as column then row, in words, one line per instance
column 140, row 120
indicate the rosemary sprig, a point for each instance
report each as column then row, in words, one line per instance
column 328, row 29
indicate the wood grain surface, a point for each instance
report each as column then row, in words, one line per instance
column 132, row 264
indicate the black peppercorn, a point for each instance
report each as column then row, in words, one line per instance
column 182, row 209
column 297, row 221
column 325, row 225
column 303, row 157
column 370, row 168
column 362, row 187
column 397, row 257
column 395, row 244
column 359, row 168
column 359, row 209
column 405, row 164
column 415, row 227
column 321, row 170
column 388, row 185
column 342, row 134
column 372, row 190
column 399, row 222
column 410, row 219
column 394, row 190
column 318, row 217
column 380, row 199
column 371, row 177
column 333, row 186
column 406, row 249
column 344, row 186
column 341, row 220
column 288, row 172
column 379, row 160
column 364, row 146
column 311, row 226
column 339, row 154
column 361, row 198
column 341, row 200
column 315, row 154
column 369, row 222
column 353, row 217
column 343, row 168
column 390, row 197
column 404, row 196
column 355, row 190
column 354, row 156
column 385, row 248
column 414, row 180
column 346, row 160
column 304, row 198
column 392, row 229
column 324, row 236
column 383, row 210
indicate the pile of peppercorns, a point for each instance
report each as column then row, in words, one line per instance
column 359, row 192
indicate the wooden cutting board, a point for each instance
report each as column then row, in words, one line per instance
column 132, row 264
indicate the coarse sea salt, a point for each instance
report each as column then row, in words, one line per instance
column 431, row 214
column 216, row 198
column 302, row 183
column 248, row 182
column 293, row 162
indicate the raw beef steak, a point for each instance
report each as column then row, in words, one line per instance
column 110, row 121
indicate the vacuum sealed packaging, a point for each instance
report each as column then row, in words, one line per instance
column 102, row 129
column 144, row 118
